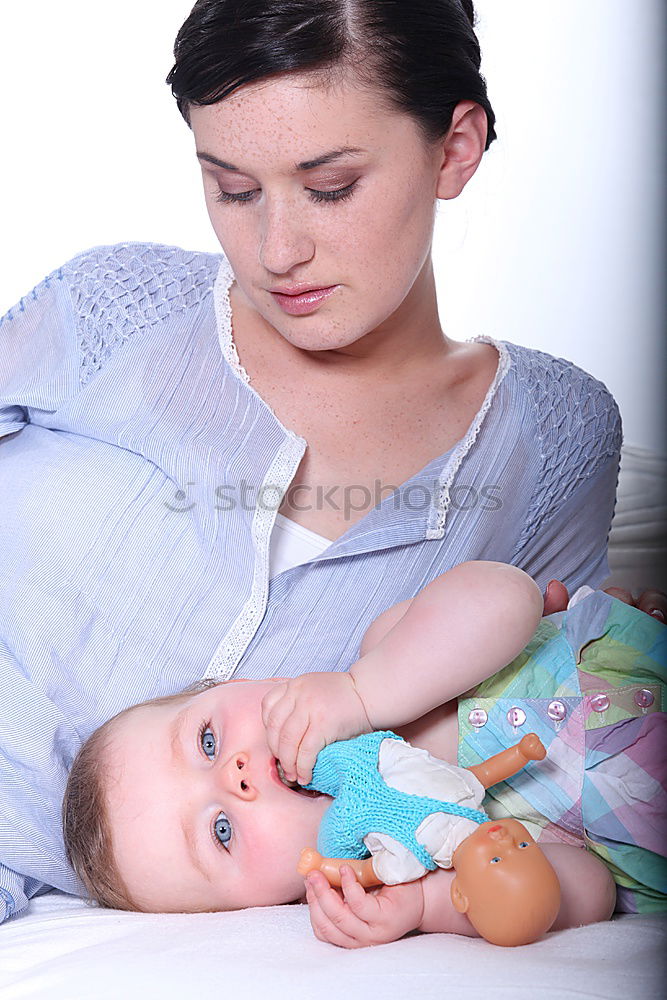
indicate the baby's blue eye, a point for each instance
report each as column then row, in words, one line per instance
column 524, row 843
column 496, row 860
column 207, row 740
column 223, row 829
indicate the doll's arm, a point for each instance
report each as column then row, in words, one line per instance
column 311, row 861
column 506, row 763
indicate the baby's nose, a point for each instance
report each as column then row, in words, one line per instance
column 237, row 778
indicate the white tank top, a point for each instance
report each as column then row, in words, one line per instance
column 292, row 544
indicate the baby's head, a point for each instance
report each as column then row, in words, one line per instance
column 504, row 884
column 175, row 805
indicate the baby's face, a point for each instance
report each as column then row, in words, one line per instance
column 199, row 817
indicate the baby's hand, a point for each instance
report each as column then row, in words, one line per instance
column 357, row 918
column 304, row 714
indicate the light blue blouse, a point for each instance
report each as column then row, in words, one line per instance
column 138, row 497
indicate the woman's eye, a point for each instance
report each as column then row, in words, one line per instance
column 207, row 741
column 246, row 196
column 495, row 861
column 524, row 843
column 223, row 829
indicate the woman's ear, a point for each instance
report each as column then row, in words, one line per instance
column 459, row 900
column 462, row 148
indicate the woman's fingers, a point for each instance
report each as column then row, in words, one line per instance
column 620, row 594
column 555, row 597
column 654, row 603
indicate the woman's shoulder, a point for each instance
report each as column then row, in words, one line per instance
column 136, row 277
column 126, row 268
column 561, row 398
column 103, row 296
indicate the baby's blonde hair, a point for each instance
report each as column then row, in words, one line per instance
column 86, row 827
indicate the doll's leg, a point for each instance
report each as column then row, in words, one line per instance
column 312, row 861
column 506, row 763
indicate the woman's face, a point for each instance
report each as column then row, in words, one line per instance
column 199, row 817
column 372, row 240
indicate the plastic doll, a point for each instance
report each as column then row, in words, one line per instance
column 504, row 883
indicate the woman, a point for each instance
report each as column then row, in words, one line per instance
column 210, row 470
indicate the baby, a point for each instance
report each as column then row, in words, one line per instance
column 179, row 804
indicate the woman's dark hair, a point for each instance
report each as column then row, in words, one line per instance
column 423, row 55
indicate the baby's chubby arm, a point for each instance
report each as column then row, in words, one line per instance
column 460, row 629
column 355, row 918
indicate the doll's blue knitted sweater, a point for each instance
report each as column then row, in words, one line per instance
column 364, row 803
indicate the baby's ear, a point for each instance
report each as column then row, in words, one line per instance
column 459, row 900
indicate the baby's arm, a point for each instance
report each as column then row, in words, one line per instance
column 355, row 918
column 460, row 629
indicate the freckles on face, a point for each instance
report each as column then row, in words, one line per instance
column 384, row 228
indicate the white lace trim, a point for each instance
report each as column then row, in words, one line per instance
column 278, row 477
column 438, row 513
column 223, row 317
column 228, row 654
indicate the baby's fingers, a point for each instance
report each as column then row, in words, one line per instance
column 330, row 918
column 363, row 905
column 309, row 747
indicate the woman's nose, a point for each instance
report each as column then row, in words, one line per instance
column 236, row 777
column 284, row 243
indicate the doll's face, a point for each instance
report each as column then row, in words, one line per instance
column 504, row 883
column 199, row 817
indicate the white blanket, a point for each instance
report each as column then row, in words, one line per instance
column 63, row 949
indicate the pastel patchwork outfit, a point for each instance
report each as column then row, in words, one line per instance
column 591, row 684
column 409, row 810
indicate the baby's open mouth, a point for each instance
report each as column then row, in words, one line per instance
column 293, row 785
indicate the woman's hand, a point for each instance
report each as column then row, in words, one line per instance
column 653, row 602
column 305, row 713
column 355, row 918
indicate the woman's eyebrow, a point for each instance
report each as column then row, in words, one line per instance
column 334, row 154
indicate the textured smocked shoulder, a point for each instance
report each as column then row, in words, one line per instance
column 119, row 290
column 577, row 425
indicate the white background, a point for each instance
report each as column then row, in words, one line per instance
column 557, row 242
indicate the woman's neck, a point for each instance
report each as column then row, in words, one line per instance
column 408, row 343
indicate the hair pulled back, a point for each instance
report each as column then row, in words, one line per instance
column 422, row 56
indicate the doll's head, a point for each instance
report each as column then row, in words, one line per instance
column 504, row 884
column 176, row 806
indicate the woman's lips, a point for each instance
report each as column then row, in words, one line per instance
column 307, row 302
